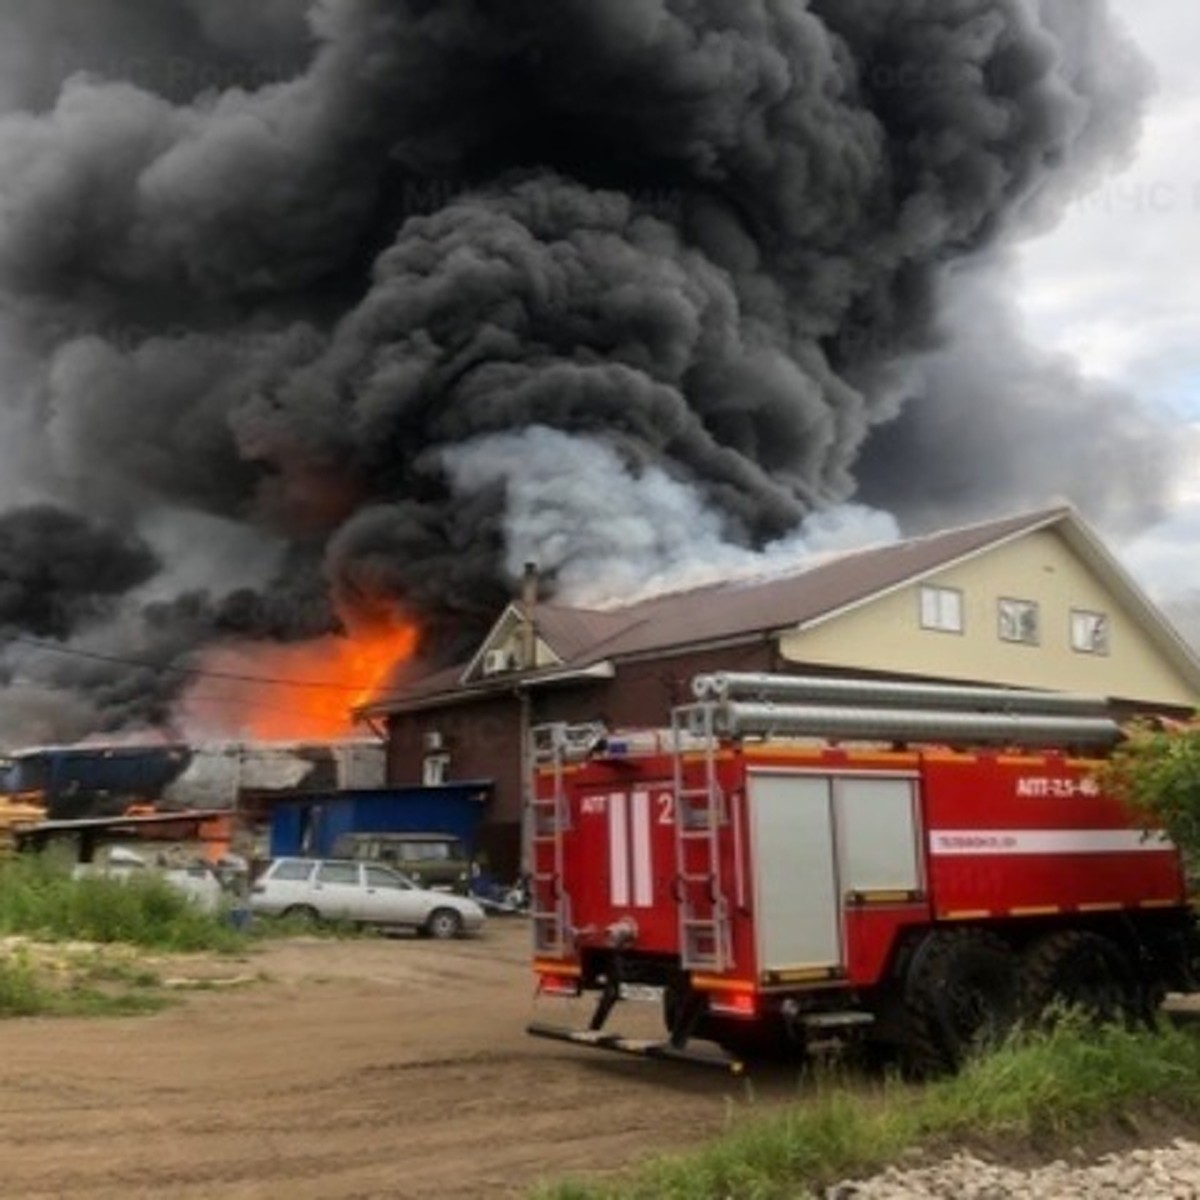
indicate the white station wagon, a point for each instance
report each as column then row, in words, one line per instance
column 365, row 893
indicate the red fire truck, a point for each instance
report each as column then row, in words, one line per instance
column 802, row 860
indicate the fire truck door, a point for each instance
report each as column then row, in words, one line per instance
column 879, row 848
column 797, row 903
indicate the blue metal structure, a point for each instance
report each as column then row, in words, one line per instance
column 310, row 823
column 90, row 779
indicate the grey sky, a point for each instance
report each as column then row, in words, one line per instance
column 1116, row 286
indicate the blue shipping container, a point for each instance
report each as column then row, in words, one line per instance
column 310, row 824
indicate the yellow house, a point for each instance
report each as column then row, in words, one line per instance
column 1041, row 605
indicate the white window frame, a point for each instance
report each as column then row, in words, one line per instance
column 940, row 609
column 1089, row 627
column 434, row 769
column 1016, row 635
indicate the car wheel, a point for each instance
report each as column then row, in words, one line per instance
column 443, row 923
column 301, row 912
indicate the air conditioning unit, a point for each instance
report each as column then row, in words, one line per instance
column 495, row 661
column 433, row 741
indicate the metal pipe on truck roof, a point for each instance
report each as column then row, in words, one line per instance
column 888, row 724
column 763, row 686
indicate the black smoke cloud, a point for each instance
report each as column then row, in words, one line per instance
column 315, row 283
column 175, row 48
column 984, row 393
column 58, row 570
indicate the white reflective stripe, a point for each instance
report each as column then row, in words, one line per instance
column 618, row 850
column 643, row 889
column 1046, row 841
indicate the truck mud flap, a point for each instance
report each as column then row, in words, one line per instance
column 597, row 1039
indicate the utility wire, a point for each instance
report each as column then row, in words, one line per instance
column 249, row 702
column 196, row 671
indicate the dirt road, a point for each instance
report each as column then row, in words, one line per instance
column 393, row 1068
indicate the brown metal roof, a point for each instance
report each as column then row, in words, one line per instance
column 730, row 610
column 759, row 605
column 572, row 632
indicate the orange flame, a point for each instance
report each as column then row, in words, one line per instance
column 295, row 692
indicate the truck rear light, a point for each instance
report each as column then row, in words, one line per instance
column 734, row 1004
column 558, row 985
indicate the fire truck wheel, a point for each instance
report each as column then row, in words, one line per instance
column 1084, row 970
column 962, row 993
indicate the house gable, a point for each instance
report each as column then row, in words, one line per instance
column 510, row 646
column 1039, row 610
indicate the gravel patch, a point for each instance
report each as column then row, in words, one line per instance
column 1170, row 1172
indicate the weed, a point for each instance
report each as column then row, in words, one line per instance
column 39, row 898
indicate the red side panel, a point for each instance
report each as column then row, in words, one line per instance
column 1009, row 834
column 871, row 936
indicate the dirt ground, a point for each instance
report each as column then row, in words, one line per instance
column 385, row 1067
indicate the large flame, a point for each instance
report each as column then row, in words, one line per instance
column 296, row 692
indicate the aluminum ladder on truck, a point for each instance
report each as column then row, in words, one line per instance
column 552, row 746
column 705, row 936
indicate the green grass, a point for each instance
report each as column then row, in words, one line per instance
column 1040, row 1088
column 25, row 992
column 39, row 899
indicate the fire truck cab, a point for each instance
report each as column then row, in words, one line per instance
column 801, row 860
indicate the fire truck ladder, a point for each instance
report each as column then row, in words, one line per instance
column 552, row 746
column 705, row 937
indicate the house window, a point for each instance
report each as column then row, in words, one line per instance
column 434, row 769
column 942, row 609
column 1019, row 621
column 1089, row 631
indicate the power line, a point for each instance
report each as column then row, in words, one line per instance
column 250, row 702
column 196, row 671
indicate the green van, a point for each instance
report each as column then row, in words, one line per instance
column 433, row 860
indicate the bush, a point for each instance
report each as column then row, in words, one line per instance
column 21, row 994
column 1156, row 772
column 39, row 898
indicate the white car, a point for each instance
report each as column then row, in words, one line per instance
column 331, row 889
column 197, row 880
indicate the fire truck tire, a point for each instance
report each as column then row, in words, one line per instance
column 962, row 992
column 1076, row 968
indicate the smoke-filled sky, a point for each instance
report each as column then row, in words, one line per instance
column 1111, row 287
column 318, row 309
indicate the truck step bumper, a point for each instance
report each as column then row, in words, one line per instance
column 597, row 1039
